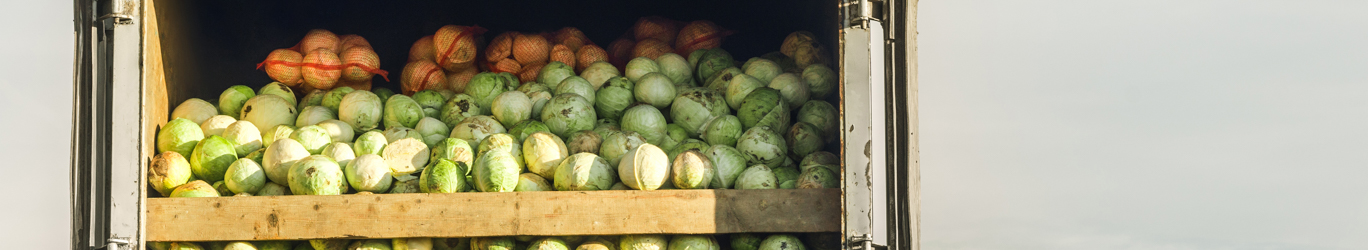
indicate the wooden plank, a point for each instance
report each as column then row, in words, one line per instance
column 493, row 214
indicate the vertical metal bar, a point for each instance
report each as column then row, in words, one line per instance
column 80, row 134
column 911, row 207
column 862, row 128
column 904, row 175
column 126, row 161
column 101, row 132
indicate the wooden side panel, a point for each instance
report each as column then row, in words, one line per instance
column 155, row 107
column 493, row 214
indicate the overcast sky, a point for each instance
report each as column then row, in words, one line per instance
column 1045, row 124
column 1144, row 124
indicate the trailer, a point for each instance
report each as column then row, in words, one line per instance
column 137, row 59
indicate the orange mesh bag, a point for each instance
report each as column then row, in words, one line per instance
column 322, row 68
column 319, row 38
column 456, row 81
column 620, row 51
column 698, row 35
column 361, row 63
column 531, row 49
column 572, row 38
column 455, row 46
column 423, row 50
column 655, row 27
column 650, row 48
column 588, row 55
column 529, row 73
column 353, row 40
column 283, row 66
column 421, row 75
column 501, row 48
column 560, row 53
column 506, row 65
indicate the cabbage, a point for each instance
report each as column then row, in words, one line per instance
column 647, row 121
column 268, row 111
column 553, row 73
column 655, row 89
column 370, row 143
column 695, row 107
column 577, row 85
column 791, row 88
column 598, row 73
column 168, row 171
column 512, row 107
column 484, row 87
column 614, row 98
column 568, row 113
column 676, row 68
column 727, row 164
column 230, row 102
column 823, row 116
column 316, row 175
column 543, row 152
column 762, row 69
column 761, row 146
column 457, row 109
column 644, row 168
column 333, row 99
column 764, row 108
column 584, row 172
column 312, row 115
column 361, row 109
column 691, row 170
column 640, row 66
column 195, row 110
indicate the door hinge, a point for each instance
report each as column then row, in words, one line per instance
column 122, row 11
column 862, row 12
column 862, row 242
column 116, row 243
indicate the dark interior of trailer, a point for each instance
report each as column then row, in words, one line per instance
column 210, row 45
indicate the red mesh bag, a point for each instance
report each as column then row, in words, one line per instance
column 589, row 54
column 531, row 49
column 319, row 38
column 650, row 48
column 456, row 46
column 322, row 68
column 421, row 75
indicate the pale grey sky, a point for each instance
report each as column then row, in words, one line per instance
column 1144, row 124
column 35, row 117
column 1045, row 124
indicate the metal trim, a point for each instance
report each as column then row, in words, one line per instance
column 127, row 170
column 863, row 132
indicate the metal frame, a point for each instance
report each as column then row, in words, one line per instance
column 862, row 131
column 107, row 172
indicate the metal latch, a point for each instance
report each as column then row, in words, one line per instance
column 121, row 11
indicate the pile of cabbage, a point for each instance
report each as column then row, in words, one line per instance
column 623, row 242
column 704, row 121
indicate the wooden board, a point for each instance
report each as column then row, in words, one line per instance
column 493, row 214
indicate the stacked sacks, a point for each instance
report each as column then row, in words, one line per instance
column 654, row 36
column 323, row 61
column 443, row 61
column 520, row 54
